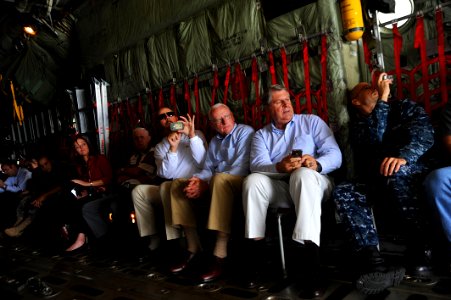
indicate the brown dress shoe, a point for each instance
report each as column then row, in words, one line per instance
column 214, row 270
column 183, row 263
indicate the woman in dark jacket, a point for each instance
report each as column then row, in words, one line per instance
column 92, row 193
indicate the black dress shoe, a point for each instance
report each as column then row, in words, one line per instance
column 183, row 263
column 214, row 270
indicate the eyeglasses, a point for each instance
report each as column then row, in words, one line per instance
column 165, row 115
column 222, row 119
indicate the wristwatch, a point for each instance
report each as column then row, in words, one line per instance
column 319, row 168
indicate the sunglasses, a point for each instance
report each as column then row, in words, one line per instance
column 165, row 115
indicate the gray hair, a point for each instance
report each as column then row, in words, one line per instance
column 215, row 107
column 275, row 88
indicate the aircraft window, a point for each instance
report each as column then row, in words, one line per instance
column 402, row 8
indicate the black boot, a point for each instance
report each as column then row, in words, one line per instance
column 254, row 258
column 419, row 261
column 311, row 284
column 375, row 275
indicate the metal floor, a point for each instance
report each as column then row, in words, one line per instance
column 116, row 272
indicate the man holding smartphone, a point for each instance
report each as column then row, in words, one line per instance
column 284, row 177
column 180, row 154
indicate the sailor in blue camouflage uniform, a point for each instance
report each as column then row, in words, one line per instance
column 388, row 140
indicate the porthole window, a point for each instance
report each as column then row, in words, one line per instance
column 402, row 9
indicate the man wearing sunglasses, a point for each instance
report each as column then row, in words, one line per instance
column 388, row 140
column 180, row 154
column 225, row 167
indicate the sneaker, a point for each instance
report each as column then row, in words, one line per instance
column 375, row 282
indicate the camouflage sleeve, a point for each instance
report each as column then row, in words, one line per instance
column 420, row 130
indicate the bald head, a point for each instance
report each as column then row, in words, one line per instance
column 141, row 139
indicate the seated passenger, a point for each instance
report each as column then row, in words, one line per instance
column 178, row 155
column 283, row 178
column 225, row 167
column 46, row 185
column 92, row 188
column 11, row 189
column 388, row 140
column 141, row 169
column 438, row 184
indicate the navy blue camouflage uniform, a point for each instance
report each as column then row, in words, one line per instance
column 400, row 129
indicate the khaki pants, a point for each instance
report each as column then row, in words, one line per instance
column 224, row 188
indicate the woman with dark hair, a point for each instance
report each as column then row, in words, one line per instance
column 92, row 193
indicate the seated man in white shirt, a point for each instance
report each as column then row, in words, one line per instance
column 180, row 154
column 283, row 177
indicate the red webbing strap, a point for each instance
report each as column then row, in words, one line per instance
column 272, row 68
column 307, row 76
column 283, row 54
column 140, row 110
column 397, row 44
column 441, row 55
column 160, row 98
column 152, row 112
column 197, row 100
column 172, row 97
column 226, row 84
column 322, row 101
column 187, row 97
column 215, row 86
column 420, row 43
column 256, row 108
column 240, row 90
column 297, row 102
column 130, row 114
column 151, row 104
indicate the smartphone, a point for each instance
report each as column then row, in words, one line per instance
column 296, row 153
column 176, row 126
column 385, row 77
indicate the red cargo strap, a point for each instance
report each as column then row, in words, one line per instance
column 397, row 45
column 272, row 68
column 420, row 43
column 283, row 54
column 152, row 113
column 256, row 108
column 151, row 104
column 172, row 97
column 441, row 55
column 322, row 104
column 226, row 84
column 140, row 111
column 215, row 86
column 307, row 76
column 240, row 90
column 160, row 98
column 187, row 97
column 197, row 100
column 130, row 114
